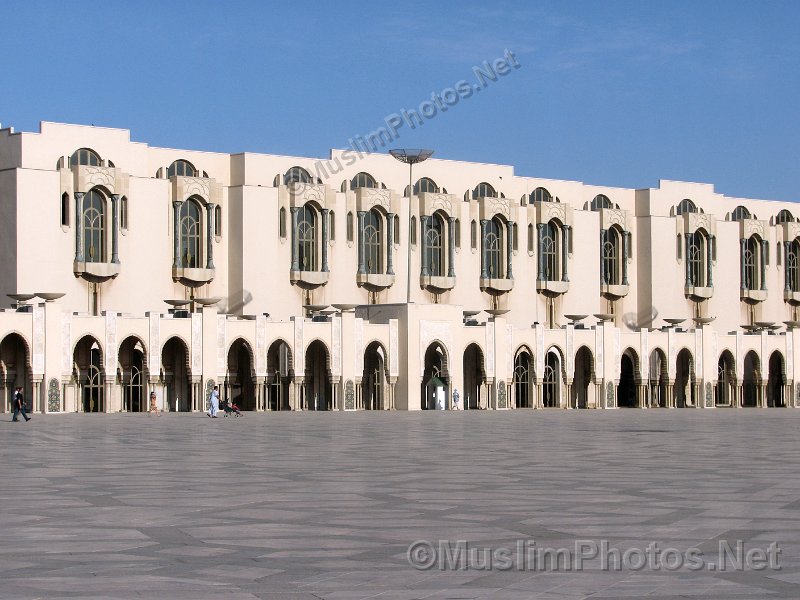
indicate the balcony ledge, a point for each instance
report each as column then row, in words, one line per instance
column 618, row 291
column 497, row 285
column 555, row 287
column 376, row 281
column 314, row 278
column 755, row 295
column 438, row 282
column 95, row 271
column 193, row 277
column 698, row 292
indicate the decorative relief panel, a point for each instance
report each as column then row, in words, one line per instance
column 490, row 367
column 599, row 369
column 197, row 344
column 538, row 359
column 709, row 395
column 358, row 332
column 154, row 349
column 349, row 395
column 789, row 357
column 210, row 383
column 645, row 359
column 221, row 345
column 53, row 396
column 376, row 197
column 739, row 356
column 499, row 206
column 614, row 216
column 37, row 360
column 261, row 346
column 111, row 344
column 394, row 349
column 672, row 353
column 509, row 351
column 698, row 354
column 609, row 395
column 300, row 350
column 440, row 201
column 617, row 354
column 569, row 359
column 66, row 344
column 502, row 401
column 336, row 343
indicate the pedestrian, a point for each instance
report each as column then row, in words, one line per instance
column 455, row 399
column 214, row 403
column 19, row 405
column 153, row 405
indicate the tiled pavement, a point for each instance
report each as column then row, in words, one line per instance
column 313, row 505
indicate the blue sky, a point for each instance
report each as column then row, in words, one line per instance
column 610, row 93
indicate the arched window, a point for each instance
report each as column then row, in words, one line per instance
column 792, row 274
column 373, row 242
column 191, row 236
column 493, row 243
column 181, row 168
column 784, row 217
column 686, row 206
column 530, row 238
column 123, row 212
column 363, row 180
column 484, row 190
column 332, row 226
column 696, row 256
column 473, row 235
column 307, row 238
column 349, row 227
column 65, row 209
column 549, row 249
column 434, row 242
column 457, row 233
column 522, row 379
column 540, row 195
column 218, row 220
column 752, row 264
column 396, row 229
column 282, row 222
column 601, row 201
column 425, row 185
column 94, row 227
column 85, row 157
column 413, row 230
column 550, row 387
column 296, row 175
column 740, row 213
column 611, row 257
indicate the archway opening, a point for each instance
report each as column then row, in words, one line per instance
column 16, row 371
column 658, row 378
column 626, row 391
column 435, row 379
column 317, row 389
column 751, row 380
column 523, row 379
column 175, row 376
column 684, row 380
column 239, row 380
column 279, row 375
column 374, row 377
column 726, row 380
column 551, row 382
column 89, row 374
column 474, row 377
column 132, row 375
column 776, row 381
column 583, row 377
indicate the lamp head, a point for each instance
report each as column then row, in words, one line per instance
column 411, row 156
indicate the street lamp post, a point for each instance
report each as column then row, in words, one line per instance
column 410, row 156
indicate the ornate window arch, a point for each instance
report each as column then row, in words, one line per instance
column 612, row 257
column 696, row 257
column 784, row 217
column 296, row 175
column 425, row 185
column 191, row 232
column 85, row 157
column 94, row 226
column 792, row 272
column 484, row 190
column 373, row 233
column 181, row 168
column 494, row 248
column 363, row 180
column 754, row 257
column 601, row 201
column 551, row 392
column 307, row 245
column 740, row 213
column 435, row 245
column 540, row 194
column 550, row 240
column 686, row 206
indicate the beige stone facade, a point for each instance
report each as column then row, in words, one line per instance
column 286, row 281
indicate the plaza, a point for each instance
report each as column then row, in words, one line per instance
column 307, row 505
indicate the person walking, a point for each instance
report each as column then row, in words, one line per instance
column 153, row 405
column 19, row 405
column 214, row 403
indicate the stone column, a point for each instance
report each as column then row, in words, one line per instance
column 743, row 249
column 624, row 257
column 509, row 250
column 79, row 227
column 484, row 273
column 210, row 235
column 451, row 257
column 325, row 214
column 114, row 228
column 423, row 241
column 709, row 254
column 764, row 251
column 176, row 234
column 564, row 249
column 389, row 243
column 361, row 246
column 295, row 258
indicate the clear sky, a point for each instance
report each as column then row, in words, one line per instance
column 609, row 93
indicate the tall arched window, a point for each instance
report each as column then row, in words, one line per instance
column 191, row 235
column 522, row 379
column 65, row 209
column 530, row 238
column 601, row 201
column 784, row 217
column 425, row 185
column 752, row 264
column 85, row 157
column 363, row 180
column 373, row 242
column 540, row 195
column 296, row 175
column 473, row 235
column 307, row 238
column 413, row 230
column 611, row 257
column 484, row 190
column 396, row 229
column 123, row 212
column 792, row 274
column 549, row 250
column 686, row 206
column 181, row 168
column 332, row 226
column 349, row 225
column 282, row 222
column 94, row 227
column 434, row 238
column 696, row 257
column 218, row 220
column 493, row 242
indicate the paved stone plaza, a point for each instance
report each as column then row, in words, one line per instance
column 326, row 505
